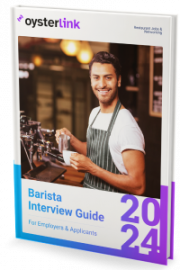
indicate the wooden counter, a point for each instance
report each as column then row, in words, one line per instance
column 71, row 176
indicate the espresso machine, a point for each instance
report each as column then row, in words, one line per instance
column 35, row 147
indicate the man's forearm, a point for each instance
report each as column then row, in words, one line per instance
column 123, row 182
column 80, row 147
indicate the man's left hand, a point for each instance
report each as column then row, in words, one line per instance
column 81, row 163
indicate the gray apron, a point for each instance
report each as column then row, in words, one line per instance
column 99, row 153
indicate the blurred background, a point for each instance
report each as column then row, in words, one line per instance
column 55, row 89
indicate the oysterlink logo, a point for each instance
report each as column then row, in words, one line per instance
column 20, row 18
column 63, row 23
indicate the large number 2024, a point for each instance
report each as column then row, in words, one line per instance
column 153, row 233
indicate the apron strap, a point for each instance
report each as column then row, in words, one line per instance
column 95, row 118
column 113, row 118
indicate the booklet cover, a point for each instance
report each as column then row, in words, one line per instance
column 93, row 128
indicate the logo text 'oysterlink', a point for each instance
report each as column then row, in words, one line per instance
column 52, row 23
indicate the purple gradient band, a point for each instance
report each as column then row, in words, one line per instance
column 172, row 221
column 132, row 253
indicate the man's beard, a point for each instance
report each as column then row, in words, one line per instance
column 111, row 98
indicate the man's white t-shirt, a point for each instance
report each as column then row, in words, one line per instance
column 125, row 134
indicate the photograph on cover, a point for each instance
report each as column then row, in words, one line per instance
column 90, row 114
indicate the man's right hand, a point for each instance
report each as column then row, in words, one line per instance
column 62, row 131
column 78, row 146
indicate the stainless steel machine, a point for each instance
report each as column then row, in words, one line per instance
column 35, row 146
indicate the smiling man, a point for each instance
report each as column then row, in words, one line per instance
column 113, row 156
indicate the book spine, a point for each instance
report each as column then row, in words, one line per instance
column 12, row 75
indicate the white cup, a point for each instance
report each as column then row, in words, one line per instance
column 66, row 156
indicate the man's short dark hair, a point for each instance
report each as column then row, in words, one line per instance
column 106, row 58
